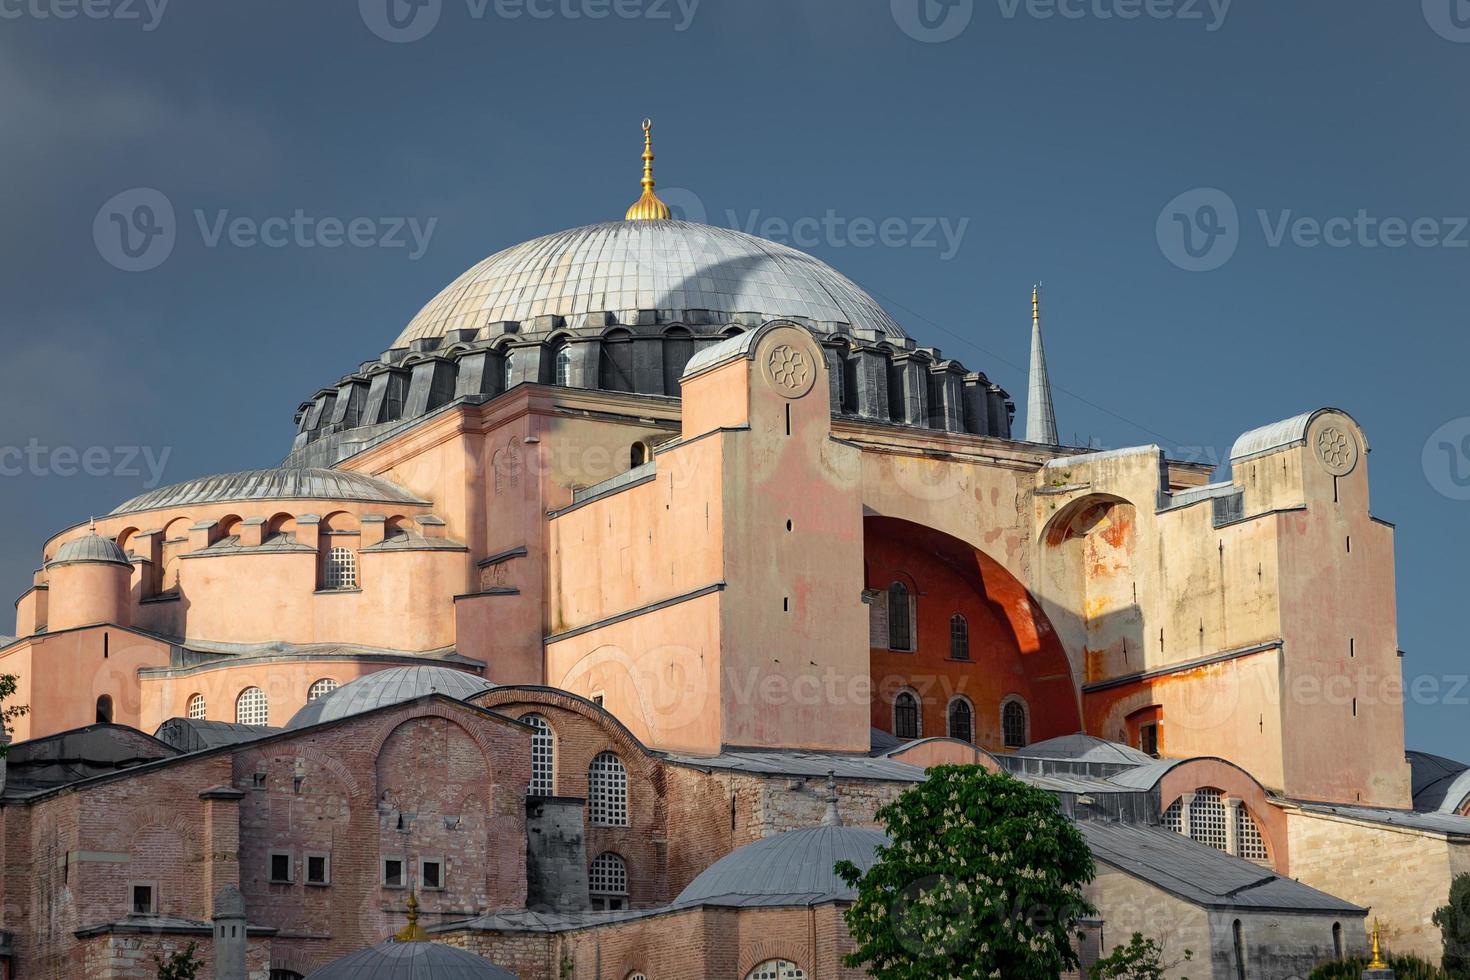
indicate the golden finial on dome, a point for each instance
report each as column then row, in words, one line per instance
column 413, row 932
column 648, row 207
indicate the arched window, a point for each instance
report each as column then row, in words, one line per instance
column 104, row 710
column 509, row 369
column 1248, row 839
column 959, row 637
column 607, row 882
column 678, row 349
column 1337, row 940
column 638, row 975
column 900, row 620
column 320, row 689
column 777, row 970
column 615, row 365
column 252, row 707
column 640, row 454
column 607, row 791
column 1013, row 724
column 1174, row 816
column 543, row 757
column 197, row 707
column 562, row 366
column 339, row 572
column 961, row 720
column 1207, row 818
column 906, row 715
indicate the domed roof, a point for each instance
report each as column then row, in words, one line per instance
column 385, row 687
column 1086, row 748
column 91, row 548
column 625, row 266
column 287, row 483
column 411, row 961
column 794, row 868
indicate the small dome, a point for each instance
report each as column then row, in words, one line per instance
column 385, row 687
column 286, row 483
column 788, row 869
column 91, row 548
column 1086, row 748
column 411, row 961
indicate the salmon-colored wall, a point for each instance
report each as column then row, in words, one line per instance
column 88, row 593
column 1195, row 774
column 60, row 676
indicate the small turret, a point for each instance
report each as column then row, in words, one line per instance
column 229, row 934
column 89, row 583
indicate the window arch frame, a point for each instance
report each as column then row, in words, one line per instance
column 959, row 637
column 196, row 708
column 776, row 968
column 315, row 691
column 899, row 590
column 611, row 869
column 918, row 709
column 960, row 701
column 561, row 365
column 1008, row 704
column 607, row 790
column 546, row 735
column 264, row 706
column 104, row 709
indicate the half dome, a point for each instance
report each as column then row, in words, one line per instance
column 794, row 868
column 622, row 267
column 385, row 687
column 283, row 483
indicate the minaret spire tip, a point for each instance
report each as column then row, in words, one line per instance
column 648, row 207
column 1041, row 416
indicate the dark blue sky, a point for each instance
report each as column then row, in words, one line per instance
column 1055, row 142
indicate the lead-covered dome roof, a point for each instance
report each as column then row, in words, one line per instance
column 282, row 483
column 794, row 868
column 622, row 267
column 385, row 687
column 411, row 961
column 91, row 549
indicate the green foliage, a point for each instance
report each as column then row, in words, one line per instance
column 1404, row 968
column 983, row 878
column 180, row 966
column 1141, row 959
column 1454, row 928
column 9, row 712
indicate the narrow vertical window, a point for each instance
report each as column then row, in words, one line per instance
column 900, row 625
column 906, row 716
column 104, row 710
column 959, row 637
column 961, row 720
column 543, row 757
column 563, row 366
column 1013, row 724
column 607, row 791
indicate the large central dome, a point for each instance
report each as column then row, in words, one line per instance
column 622, row 267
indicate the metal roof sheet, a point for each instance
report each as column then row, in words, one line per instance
column 1435, row 823
column 411, row 961
column 1085, row 748
column 806, row 764
column 391, row 686
column 283, row 483
column 1439, row 784
column 794, row 868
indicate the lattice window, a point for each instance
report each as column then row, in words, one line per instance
column 1207, row 819
column 197, row 707
column 906, row 716
column 252, row 707
column 961, row 720
column 608, row 877
column 1248, row 838
column 900, row 628
column 607, row 791
column 340, row 571
column 1013, row 724
column 1174, row 816
column 959, row 637
column 777, row 970
column 563, row 365
column 510, row 370
column 320, row 689
column 543, row 757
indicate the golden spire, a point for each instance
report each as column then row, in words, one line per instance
column 1377, row 963
column 648, row 207
column 1036, row 304
column 413, row 932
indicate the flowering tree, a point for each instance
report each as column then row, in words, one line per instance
column 983, row 878
column 9, row 713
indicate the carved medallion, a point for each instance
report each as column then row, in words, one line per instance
column 1337, row 450
column 790, row 370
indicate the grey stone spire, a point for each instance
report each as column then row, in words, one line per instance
column 831, row 818
column 1041, row 418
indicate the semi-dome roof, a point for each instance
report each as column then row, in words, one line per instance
column 794, row 868
column 625, row 266
column 411, row 961
column 91, row 548
column 385, row 687
column 285, row 483
column 1085, row 748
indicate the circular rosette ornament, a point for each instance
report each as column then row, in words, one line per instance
column 790, row 370
column 1337, row 450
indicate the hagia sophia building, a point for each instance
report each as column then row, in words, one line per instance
column 582, row 630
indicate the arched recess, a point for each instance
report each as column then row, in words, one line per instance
column 1195, row 775
column 174, row 542
column 1087, row 558
column 615, row 364
column 1014, row 650
column 678, row 349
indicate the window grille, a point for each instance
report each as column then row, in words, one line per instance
column 607, row 791
column 252, row 707
column 543, row 757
